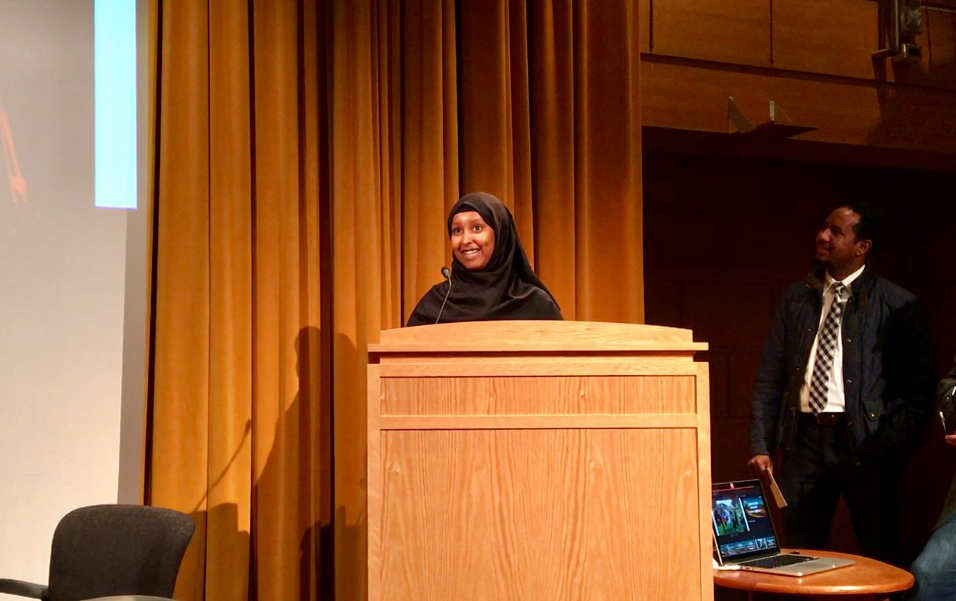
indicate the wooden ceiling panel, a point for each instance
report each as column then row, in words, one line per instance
column 731, row 31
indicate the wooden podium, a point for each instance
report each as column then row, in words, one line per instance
column 538, row 460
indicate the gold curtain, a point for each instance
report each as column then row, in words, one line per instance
column 306, row 153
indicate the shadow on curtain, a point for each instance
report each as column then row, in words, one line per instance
column 305, row 155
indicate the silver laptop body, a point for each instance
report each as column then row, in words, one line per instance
column 744, row 534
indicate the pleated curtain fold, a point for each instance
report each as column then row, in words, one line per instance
column 305, row 155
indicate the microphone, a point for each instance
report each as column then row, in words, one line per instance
column 446, row 273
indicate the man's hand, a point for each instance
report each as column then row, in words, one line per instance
column 950, row 440
column 762, row 463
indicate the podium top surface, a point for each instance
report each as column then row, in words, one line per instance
column 536, row 336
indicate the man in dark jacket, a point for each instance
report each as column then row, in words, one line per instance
column 844, row 391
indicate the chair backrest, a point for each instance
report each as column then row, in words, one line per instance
column 106, row 550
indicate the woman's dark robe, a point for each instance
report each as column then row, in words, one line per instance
column 506, row 288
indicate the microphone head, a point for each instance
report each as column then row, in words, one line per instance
column 446, row 273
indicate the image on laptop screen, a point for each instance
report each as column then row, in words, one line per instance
column 741, row 519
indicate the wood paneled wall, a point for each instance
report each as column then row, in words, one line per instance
column 812, row 57
column 729, row 220
column 725, row 234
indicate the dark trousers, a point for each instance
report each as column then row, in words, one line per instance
column 820, row 469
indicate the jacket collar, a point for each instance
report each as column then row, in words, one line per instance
column 816, row 280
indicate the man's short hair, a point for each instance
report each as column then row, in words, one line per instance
column 868, row 227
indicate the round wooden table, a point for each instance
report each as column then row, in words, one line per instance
column 866, row 579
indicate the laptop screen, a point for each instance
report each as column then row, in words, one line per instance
column 741, row 520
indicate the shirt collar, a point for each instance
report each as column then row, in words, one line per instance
column 829, row 281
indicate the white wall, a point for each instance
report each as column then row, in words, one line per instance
column 72, row 294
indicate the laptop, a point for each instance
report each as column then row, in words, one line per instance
column 744, row 534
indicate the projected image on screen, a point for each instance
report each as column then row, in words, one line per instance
column 94, row 84
column 46, row 106
column 18, row 185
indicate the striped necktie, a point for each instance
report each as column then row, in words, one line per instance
column 826, row 346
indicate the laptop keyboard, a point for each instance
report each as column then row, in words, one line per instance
column 777, row 561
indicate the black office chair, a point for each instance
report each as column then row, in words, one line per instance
column 107, row 550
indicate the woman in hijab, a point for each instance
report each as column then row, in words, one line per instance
column 490, row 275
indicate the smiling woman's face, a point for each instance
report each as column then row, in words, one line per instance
column 472, row 240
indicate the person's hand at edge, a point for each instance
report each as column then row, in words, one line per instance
column 762, row 463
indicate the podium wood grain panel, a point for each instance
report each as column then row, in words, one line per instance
column 540, row 515
column 538, row 460
column 538, row 395
column 660, row 421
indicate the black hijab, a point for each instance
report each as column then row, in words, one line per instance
column 505, row 288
